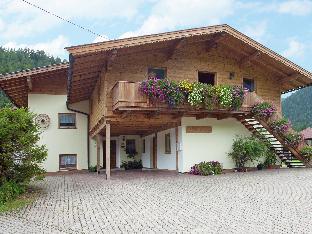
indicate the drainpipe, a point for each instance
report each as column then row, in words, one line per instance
column 69, row 79
column 88, row 139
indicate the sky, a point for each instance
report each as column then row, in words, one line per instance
column 284, row 26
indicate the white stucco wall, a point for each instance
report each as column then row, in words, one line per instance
column 166, row 161
column 60, row 141
column 214, row 146
column 146, row 157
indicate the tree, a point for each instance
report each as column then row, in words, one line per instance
column 20, row 154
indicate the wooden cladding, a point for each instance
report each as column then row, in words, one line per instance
column 126, row 94
column 198, row 129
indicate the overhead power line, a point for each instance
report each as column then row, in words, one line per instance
column 63, row 19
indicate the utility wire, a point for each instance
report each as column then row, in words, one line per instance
column 61, row 18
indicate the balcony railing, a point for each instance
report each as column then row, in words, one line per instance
column 126, row 96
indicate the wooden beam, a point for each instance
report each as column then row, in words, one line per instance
column 249, row 58
column 98, row 153
column 107, row 135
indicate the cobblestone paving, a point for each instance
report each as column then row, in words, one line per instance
column 272, row 201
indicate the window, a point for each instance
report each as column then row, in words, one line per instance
column 167, row 144
column 249, row 84
column 143, row 150
column 67, row 120
column 207, row 77
column 159, row 73
column 68, row 161
column 130, row 147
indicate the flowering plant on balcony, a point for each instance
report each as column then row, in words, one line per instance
column 210, row 97
column 293, row 139
column 196, row 97
column 238, row 95
column 280, row 126
column 224, row 95
column 263, row 110
column 162, row 90
column 186, row 87
column 151, row 88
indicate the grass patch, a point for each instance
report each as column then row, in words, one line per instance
column 21, row 201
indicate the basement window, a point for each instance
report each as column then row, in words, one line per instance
column 68, row 162
column 159, row 73
column 67, row 120
column 207, row 77
column 249, row 84
column 167, row 144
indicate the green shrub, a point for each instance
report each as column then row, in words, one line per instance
column 270, row 159
column 128, row 165
column 20, row 156
column 306, row 152
column 92, row 168
column 10, row 190
column 247, row 149
column 207, row 168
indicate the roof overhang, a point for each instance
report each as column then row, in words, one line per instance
column 16, row 85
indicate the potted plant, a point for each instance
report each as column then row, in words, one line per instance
column 293, row 139
column 263, row 110
column 247, row 149
column 280, row 126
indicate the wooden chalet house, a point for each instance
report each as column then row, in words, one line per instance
column 96, row 99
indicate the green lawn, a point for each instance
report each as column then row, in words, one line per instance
column 21, row 201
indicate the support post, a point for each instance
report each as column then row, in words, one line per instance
column 177, row 147
column 98, row 152
column 107, row 128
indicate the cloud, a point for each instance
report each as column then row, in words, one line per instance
column 256, row 31
column 295, row 49
column 100, row 39
column 54, row 47
column 29, row 20
column 171, row 14
column 296, row 7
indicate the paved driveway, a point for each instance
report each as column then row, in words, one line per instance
column 273, row 201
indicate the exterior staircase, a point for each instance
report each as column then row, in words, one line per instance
column 262, row 130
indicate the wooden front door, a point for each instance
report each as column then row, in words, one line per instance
column 112, row 154
column 153, row 151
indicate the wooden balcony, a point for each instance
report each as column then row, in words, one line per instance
column 126, row 96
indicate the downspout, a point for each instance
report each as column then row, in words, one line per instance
column 69, row 81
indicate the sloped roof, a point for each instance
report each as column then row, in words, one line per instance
column 153, row 38
column 88, row 60
column 15, row 85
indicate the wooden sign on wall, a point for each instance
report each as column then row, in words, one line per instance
column 198, row 129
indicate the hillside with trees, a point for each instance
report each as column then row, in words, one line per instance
column 12, row 60
column 298, row 108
